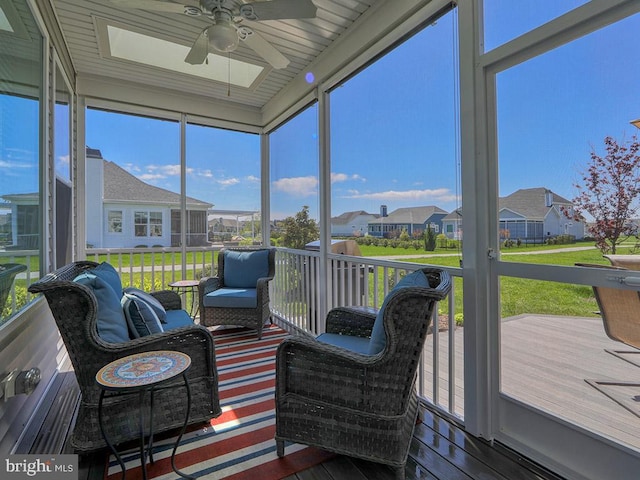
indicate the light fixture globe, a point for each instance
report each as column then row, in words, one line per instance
column 223, row 37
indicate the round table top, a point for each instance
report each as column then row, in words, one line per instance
column 185, row 283
column 142, row 369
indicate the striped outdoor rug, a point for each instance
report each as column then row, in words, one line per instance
column 239, row 444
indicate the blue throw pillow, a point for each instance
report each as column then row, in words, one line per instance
column 378, row 338
column 150, row 300
column 141, row 318
column 243, row 269
column 111, row 323
column 106, row 272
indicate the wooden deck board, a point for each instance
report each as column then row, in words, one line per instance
column 545, row 361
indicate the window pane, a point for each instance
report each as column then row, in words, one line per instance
column 577, row 95
column 223, row 186
column 20, row 208
column 551, row 331
column 115, row 221
column 294, row 176
column 133, row 167
column 394, row 176
column 503, row 22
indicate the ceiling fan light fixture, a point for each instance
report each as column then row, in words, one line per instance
column 223, row 37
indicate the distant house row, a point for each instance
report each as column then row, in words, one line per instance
column 124, row 212
column 531, row 215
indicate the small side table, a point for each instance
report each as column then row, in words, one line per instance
column 182, row 287
column 142, row 373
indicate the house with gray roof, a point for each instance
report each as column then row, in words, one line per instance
column 414, row 220
column 535, row 214
column 352, row 224
column 123, row 211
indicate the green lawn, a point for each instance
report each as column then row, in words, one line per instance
column 522, row 295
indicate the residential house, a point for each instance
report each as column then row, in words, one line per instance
column 352, row 224
column 452, row 224
column 123, row 211
column 412, row 219
column 535, row 214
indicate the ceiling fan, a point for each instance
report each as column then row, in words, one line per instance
column 227, row 30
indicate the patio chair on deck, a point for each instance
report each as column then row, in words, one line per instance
column 620, row 312
column 239, row 295
column 352, row 390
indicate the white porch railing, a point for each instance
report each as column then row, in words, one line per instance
column 18, row 295
column 154, row 268
column 361, row 281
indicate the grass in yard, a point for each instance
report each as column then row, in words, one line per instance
column 519, row 296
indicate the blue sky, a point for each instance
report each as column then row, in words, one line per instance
column 394, row 126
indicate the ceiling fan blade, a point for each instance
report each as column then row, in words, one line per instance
column 199, row 50
column 152, row 5
column 264, row 49
column 278, row 9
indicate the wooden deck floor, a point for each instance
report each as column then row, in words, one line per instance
column 440, row 450
column 545, row 360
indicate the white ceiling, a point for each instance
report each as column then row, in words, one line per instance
column 301, row 41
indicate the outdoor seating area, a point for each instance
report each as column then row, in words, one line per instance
column 89, row 315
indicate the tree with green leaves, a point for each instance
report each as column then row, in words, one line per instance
column 429, row 239
column 609, row 192
column 300, row 229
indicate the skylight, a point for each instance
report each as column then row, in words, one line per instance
column 137, row 47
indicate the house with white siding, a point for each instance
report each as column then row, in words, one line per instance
column 123, row 211
column 352, row 224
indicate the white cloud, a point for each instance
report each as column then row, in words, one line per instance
column 63, row 160
column 439, row 195
column 253, row 179
column 149, row 177
column 297, row 186
column 225, row 182
column 343, row 177
column 166, row 170
column 12, row 164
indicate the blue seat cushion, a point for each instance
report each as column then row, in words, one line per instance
column 378, row 337
column 141, row 318
column 106, row 272
column 355, row 344
column 177, row 319
column 232, row 298
column 150, row 300
column 243, row 269
column 111, row 322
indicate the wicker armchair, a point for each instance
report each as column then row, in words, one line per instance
column 358, row 404
column 74, row 308
column 239, row 295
